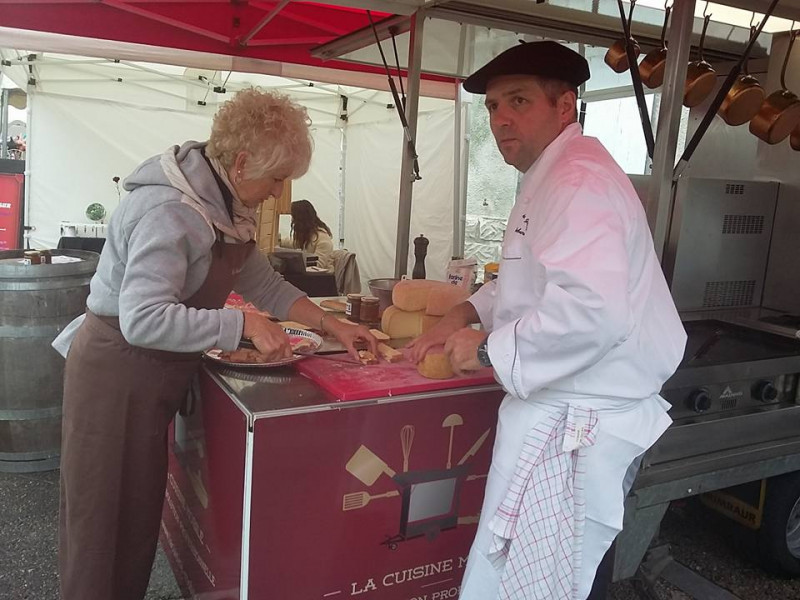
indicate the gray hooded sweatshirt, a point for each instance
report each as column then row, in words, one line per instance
column 157, row 254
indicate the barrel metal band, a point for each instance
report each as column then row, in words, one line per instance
column 30, row 414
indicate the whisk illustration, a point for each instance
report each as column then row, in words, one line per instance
column 406, row 439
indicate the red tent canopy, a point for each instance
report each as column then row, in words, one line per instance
column 283, row 31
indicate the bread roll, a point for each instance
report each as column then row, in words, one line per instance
column 435, row 365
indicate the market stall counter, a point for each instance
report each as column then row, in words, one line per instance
column 279, row 488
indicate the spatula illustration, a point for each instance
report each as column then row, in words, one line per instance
column 361, row 499
column 365, row 466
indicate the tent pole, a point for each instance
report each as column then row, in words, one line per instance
column 343, row 119
column 660, row 194
column 407, row 169
column 458, row 192
column 3, row 122
column 459, row 162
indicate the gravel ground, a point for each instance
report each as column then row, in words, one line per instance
column 28, row 551
column 29, row 514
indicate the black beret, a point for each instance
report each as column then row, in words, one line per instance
column 550, row 60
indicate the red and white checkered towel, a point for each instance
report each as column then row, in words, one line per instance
column 538, row 528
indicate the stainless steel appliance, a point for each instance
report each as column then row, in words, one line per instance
column 735, row 387
column 719, row 242
column 736, row 409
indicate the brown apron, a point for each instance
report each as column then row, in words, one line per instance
column 118, row 402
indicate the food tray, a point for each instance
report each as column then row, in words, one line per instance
column 296, row 336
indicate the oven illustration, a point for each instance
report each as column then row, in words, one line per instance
column 428, row 498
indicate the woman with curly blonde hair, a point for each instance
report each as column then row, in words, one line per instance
column 178, row 244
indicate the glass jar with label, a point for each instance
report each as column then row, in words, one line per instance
column 32, row 257
column 353, row 308
column 369, row 310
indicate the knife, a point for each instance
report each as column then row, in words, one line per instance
column 339, row 357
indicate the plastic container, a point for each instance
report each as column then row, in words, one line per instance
column 490, row 271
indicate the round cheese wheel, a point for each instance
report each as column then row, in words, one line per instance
column 412, row 294
column 435, row 365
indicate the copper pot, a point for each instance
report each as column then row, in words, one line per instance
column 744, row 99
column 651, row 69
column 617, row 56
column 700, row 76
column 779, row 114
column 794, row 139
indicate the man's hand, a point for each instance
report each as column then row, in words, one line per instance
column 435, row 336
column 349, row 334
column 268, row 337
column 462, row 349
column 460, row 316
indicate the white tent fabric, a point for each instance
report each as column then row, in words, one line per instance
column 372, row 202
column 78, row 145
column 85, row 127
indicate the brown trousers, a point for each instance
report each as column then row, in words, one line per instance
column 118, row 403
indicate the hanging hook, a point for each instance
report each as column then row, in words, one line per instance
column 753, row 18
column 792, row 37
column 705, row 11
column 666, row 5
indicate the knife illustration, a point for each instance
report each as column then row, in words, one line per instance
column 475, row 447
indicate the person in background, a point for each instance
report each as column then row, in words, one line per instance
column 581, row 331
column 310, row 234
column 177, row 245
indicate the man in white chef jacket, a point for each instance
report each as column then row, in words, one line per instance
column 580, row 329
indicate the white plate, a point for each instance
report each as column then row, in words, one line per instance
column 295, row 335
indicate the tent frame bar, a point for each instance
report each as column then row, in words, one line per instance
column 407, row 173
column 245, row 39
column 146, row 14
column 661, row 192
column 390, row 26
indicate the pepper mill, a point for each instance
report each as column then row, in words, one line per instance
column 420, row 251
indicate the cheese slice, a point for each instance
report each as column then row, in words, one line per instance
column 379, row 335
column 367, row 358
column 389, row 354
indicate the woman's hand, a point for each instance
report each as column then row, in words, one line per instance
column 268, row 337
column 349, row 334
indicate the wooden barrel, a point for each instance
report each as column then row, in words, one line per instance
column 36, row 303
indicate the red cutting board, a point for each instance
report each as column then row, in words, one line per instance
column 360, row 382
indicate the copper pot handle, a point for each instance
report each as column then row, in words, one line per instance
column 786, row 58
column 706, row 19
column 667, row 12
